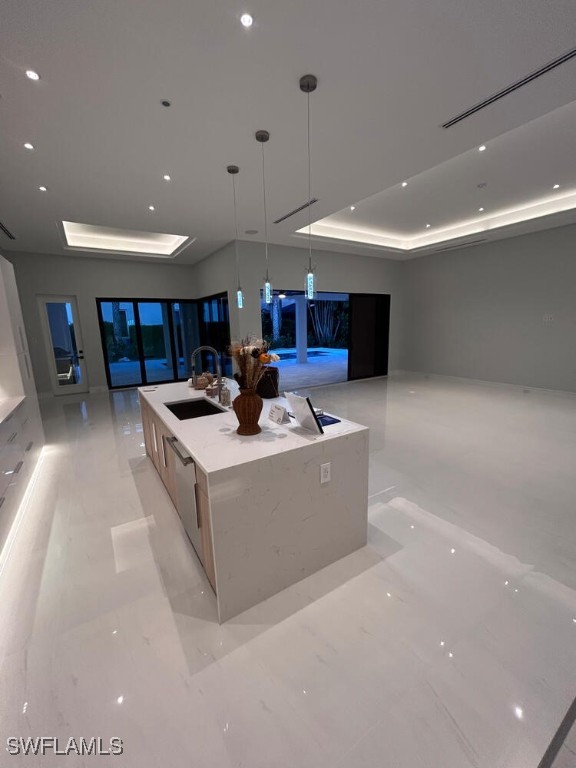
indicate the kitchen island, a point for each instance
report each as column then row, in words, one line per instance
column 260, row 519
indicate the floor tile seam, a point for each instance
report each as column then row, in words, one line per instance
column 290, row 696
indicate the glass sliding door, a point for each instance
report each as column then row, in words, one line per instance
column 215, row 327
column 186, row 334
column 156, row 331
column 120, row 342
column 149, row 341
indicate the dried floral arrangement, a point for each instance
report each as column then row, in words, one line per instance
column 251, row 355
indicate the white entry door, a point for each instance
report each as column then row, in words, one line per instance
column 64, row 347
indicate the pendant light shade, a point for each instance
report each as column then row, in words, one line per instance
column 308, row 84
column 262, row 137
column 233, row 170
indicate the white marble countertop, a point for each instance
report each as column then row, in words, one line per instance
column 8, row 405
column 213, row 441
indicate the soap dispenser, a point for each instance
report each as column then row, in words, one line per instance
column 225, row 395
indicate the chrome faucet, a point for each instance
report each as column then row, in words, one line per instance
column 218, row 367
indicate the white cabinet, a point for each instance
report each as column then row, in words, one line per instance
column 21, row 432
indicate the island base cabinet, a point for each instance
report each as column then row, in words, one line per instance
column 155, row 440
column 207, row 551
column 155, row 434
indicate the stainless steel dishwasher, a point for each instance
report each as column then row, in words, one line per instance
column 186, row 493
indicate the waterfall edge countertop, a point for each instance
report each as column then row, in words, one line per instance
column 8, row 405
column 264, row 517
column 213, row 441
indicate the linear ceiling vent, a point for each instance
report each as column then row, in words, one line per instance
column 511, row 88
column 297, row 210
column 460, row 245
column 7, row 231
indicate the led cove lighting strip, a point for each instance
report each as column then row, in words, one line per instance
column 545, row 207
column 21, row 513
column 88, row 236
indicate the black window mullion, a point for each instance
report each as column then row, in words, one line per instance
column 173, row 339
column 139, row 342
column 103, row 341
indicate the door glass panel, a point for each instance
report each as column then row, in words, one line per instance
column 156, row 342
column 186, row 338
column 64, row 347
column 149, row 341
column 120, row 342
column 215, row 329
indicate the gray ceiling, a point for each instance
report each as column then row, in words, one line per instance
column 389, row 75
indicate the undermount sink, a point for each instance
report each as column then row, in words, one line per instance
column 193, row 409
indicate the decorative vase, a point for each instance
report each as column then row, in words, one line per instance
column 248, row 407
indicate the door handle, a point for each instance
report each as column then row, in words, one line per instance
column 198, row 519
column 184, row 459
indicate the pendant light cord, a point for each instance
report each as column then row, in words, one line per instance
column 236, row 231
column 309, row 195
column 265, row 211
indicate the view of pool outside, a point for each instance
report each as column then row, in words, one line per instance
column 311, row 337
column 324, row 366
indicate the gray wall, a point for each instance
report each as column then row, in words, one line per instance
column 473, row 312
column 337, row 272
column 88, row 278
column 479, row 312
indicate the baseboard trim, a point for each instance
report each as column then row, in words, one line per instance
column 486, row 382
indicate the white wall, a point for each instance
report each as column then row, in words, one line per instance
column 473, row 312
column 337, row 272
column 478, row 312
column 87, row 279
column 90, row 278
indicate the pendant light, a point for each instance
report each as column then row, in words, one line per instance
column 308, row 84
column 262, row 137
column 233, row 170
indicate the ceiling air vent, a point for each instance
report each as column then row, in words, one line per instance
column 7, row 232
column 461, row 245
column 297, row 210
column 511, row 88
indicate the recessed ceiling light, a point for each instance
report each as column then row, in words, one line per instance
column 43, row 189
column 481, row 148
column 28, row 145
column 32, row 75
column 404, row 183
column 246, row 20
column 166, row 103
column 151, row 208
column 428, row 226
column 480, row 209
column 352, row 207
column 556, row 186
column 166, row 177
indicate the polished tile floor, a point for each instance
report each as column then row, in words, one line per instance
column 448, row 642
